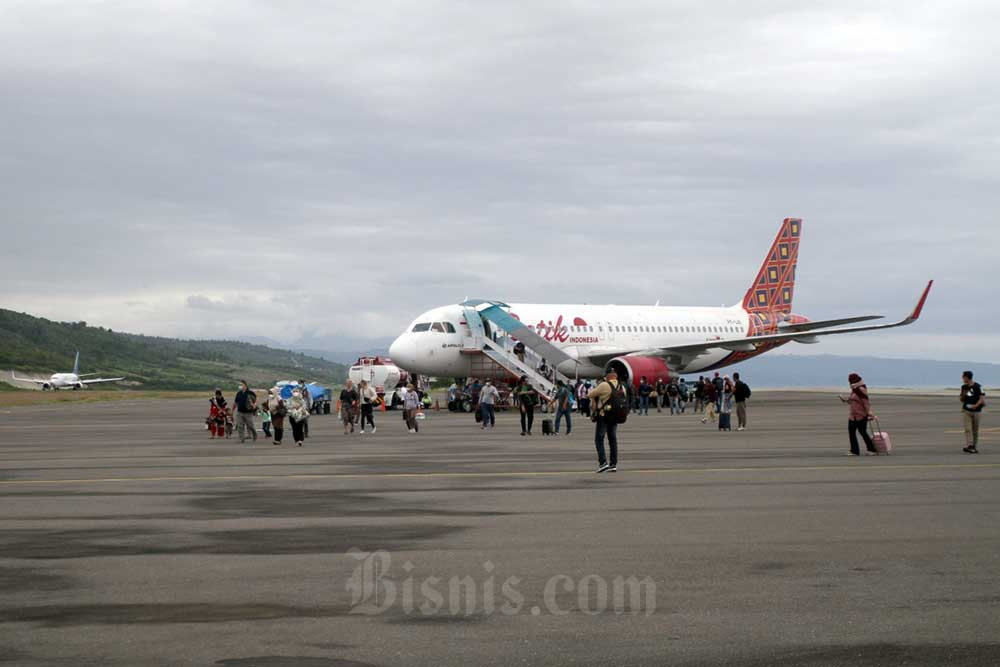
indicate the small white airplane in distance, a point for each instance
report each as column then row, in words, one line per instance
column 652, row 341
column 63, row 380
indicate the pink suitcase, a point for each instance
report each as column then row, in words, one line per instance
column 881, row 439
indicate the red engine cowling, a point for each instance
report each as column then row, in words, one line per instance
column 633, row 368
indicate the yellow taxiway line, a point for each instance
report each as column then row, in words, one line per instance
column 533, row 473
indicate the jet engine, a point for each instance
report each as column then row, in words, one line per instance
column 633, row 368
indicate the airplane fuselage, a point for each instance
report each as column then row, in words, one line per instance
column 64, row 381
column 582, row 331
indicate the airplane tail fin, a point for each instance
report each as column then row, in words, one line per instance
column 76, row 364
column 774, row 287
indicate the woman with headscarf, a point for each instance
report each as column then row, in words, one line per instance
column 860, row 412
column 217, row 416
column 726, row 405
column 298, row 414
column 276, row 406
column 367, row 397
column 411, row 406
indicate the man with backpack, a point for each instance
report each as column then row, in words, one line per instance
column 246, row 408
column 674, row 395
column 740, row 395
column 610, row 404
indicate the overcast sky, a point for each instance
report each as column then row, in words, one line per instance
column 290, row 168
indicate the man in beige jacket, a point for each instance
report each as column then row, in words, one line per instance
column 605, row 423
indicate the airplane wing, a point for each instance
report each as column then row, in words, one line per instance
column 100, row 380
column 823, row 324
column 29, row 380
column 680, row 355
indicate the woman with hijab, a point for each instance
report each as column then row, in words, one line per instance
column 276, row 406
column 298, row 414
column 726, row 405
column 860, row 412
column 367, row 397
column 411, row 406
column 217, row 416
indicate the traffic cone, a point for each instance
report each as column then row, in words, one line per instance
column 338, row 406
column 437, row 405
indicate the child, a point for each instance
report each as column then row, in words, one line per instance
column 265, row 420
column 229, row 423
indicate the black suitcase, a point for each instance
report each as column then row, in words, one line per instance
column 479, row 415
column 725, row 421
column 547, row 428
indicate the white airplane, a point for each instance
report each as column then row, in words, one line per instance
column 63, row 380
column 652, row 341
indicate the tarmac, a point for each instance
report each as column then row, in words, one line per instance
column 129, row 538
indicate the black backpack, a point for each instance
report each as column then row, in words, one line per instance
column 617, row 405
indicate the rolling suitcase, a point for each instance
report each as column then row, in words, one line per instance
column 881, row 439
column 547, row 428
column 725, row 421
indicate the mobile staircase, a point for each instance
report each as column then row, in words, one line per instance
column 494, row 333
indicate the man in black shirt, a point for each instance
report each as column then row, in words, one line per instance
column 741, row 392
column 246, row 408
column 973, row 399
column 645, row 390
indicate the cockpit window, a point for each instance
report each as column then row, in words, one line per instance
column 437, row 326
column 423, row 326
column 449, row 327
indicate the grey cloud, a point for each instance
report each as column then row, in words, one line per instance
column 292, row 169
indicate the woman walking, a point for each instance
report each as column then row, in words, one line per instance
column 278, row 411
column 298, row 414
column 367, row 395
column 726, row 405
column 411, row 406
column 860, row 412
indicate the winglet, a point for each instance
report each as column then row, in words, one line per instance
column 920, row 304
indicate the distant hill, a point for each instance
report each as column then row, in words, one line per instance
column 36, row 345
column 787, row 370
column 342, row 349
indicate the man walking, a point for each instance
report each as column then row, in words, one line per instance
column 487, row 404
column 562, row 404
column 645, row 390
column 973, row 399
column 246, row 408
column 527, row 399
column 603, row 397
column 740, row 395
column 674, row 396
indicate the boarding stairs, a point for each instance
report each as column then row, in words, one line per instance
column 499, row 345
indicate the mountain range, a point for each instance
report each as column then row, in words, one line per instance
column 38, row 346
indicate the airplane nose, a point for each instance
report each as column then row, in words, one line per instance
column 403, row 351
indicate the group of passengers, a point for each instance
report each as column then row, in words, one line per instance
column 358, row 405
column 223, row 420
